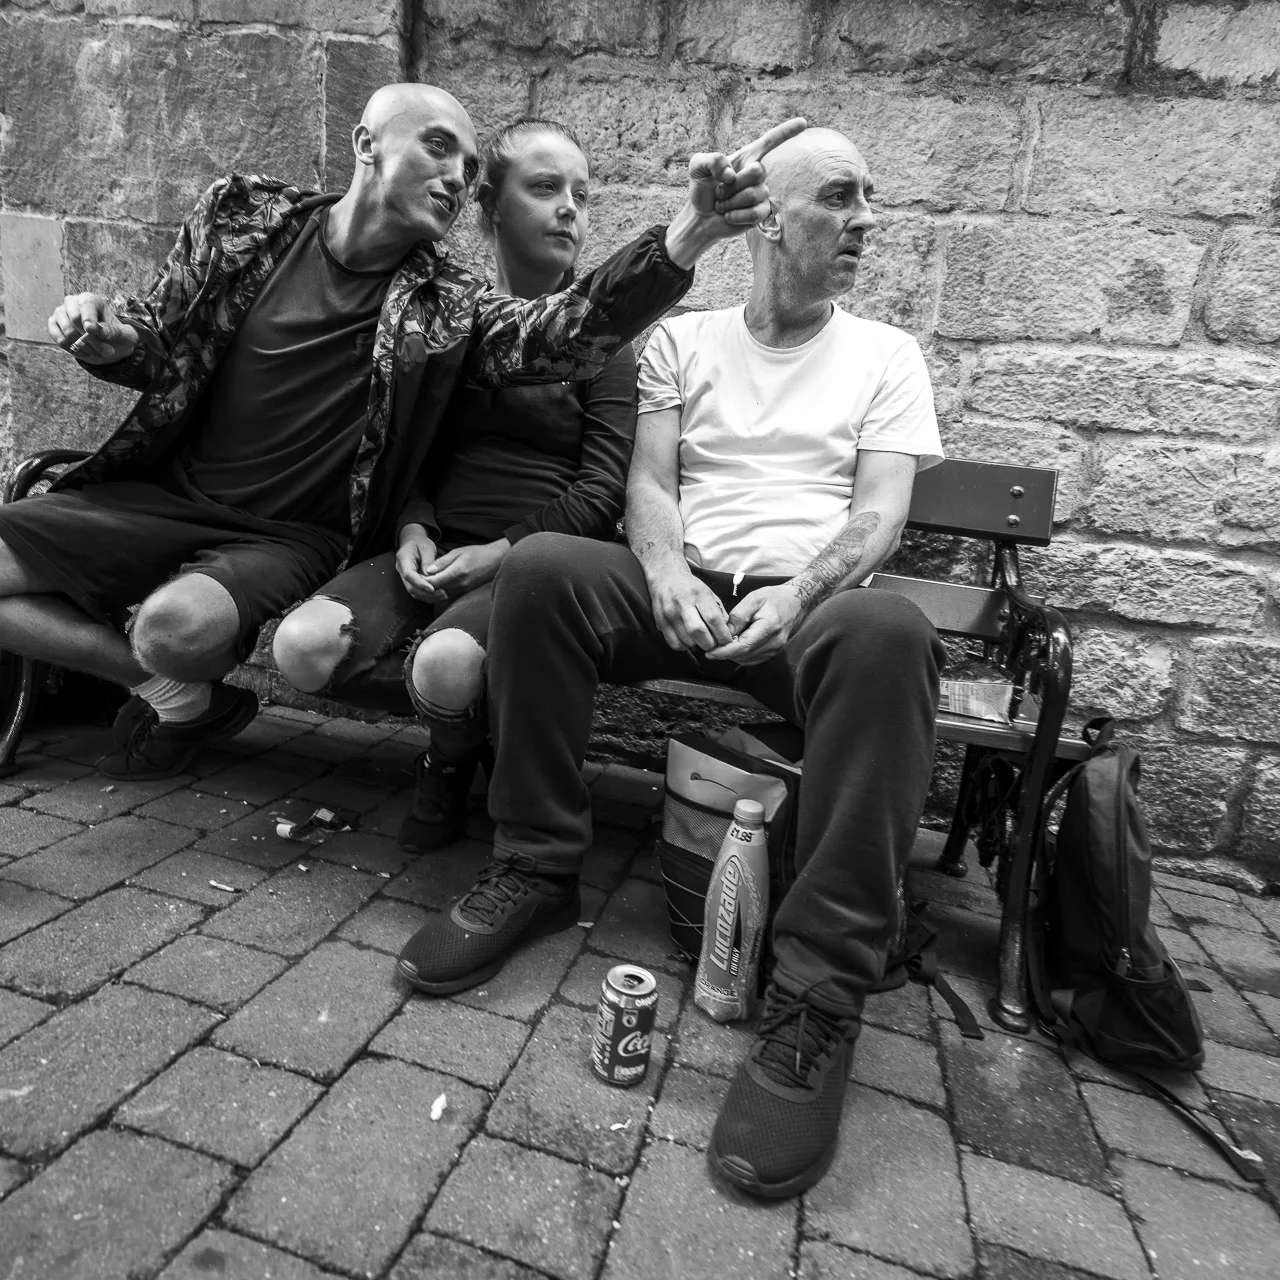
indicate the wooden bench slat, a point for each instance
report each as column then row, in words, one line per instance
column 977, row 500
column 1016, row 737
column 1004, row 737
column 960, row 610
column 707, row 690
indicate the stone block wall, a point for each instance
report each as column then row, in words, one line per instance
column 1078, row 204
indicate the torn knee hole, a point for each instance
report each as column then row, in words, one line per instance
column 445, row 673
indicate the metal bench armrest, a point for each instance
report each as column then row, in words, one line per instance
column 32, row 470
column 20, row 687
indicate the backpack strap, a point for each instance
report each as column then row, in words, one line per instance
column 922, row 967
column 1248, row 1164
column 1065, row 1029
column 1098, row 733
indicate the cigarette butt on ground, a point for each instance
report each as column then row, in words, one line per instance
column 438, row 1106
column 226, row 888
column 314, row 828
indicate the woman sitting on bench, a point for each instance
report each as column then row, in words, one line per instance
column 508, row 463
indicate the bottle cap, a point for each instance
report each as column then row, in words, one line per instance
column 751, row 811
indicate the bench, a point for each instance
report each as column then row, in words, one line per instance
column 1007, row 768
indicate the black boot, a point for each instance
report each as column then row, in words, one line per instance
column 438, row 813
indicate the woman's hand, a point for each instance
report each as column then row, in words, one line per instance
column 464, row 568
column 415, row 554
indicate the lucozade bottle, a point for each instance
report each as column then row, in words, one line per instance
column 734, row 921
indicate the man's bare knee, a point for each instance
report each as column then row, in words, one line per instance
column 448, row 670
column 187, row 630
column 311, row 643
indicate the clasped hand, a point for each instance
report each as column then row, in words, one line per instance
column 434, row 580
column 690, row 616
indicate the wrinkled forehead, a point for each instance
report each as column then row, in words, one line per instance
column 815, row 159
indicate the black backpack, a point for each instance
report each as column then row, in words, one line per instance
column 1100, row 976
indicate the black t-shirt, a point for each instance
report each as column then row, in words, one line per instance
column 517, row 460
column 277, row 431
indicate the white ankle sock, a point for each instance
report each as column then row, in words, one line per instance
column 175, row 700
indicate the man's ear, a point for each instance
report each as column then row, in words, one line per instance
column 362, row 143
column 769, row 226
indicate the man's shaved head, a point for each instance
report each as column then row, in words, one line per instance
column 393, row 101
column 796, row 159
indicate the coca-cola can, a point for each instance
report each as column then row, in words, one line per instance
column 624, row 1025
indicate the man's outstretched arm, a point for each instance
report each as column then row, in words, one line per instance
column 764, row 620
column 571, row 334
column 686, row 610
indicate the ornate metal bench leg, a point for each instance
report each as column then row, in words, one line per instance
column 1011, row 1008
column 21, row 695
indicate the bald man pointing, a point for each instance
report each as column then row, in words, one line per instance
column 775, row 454
column 294, row 358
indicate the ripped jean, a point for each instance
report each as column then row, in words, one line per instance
column 387, row 627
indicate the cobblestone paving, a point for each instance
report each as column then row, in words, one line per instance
column 209, row 1069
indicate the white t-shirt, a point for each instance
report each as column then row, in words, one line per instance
column 769, row 436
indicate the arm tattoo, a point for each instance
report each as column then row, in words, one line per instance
column 836, row 561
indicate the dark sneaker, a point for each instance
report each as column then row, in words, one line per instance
column 438, row 813
column 131, row 711
column 469, row 943
column 156, row 750
column 779, row 1126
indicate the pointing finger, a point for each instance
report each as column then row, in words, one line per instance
column 769, row 139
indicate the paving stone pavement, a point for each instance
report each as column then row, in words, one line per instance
column 208, row 1067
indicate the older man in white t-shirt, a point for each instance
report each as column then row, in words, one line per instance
column 775, row 454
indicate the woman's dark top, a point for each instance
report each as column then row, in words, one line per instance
column 522, row 460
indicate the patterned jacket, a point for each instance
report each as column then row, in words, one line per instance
column 439, row 323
